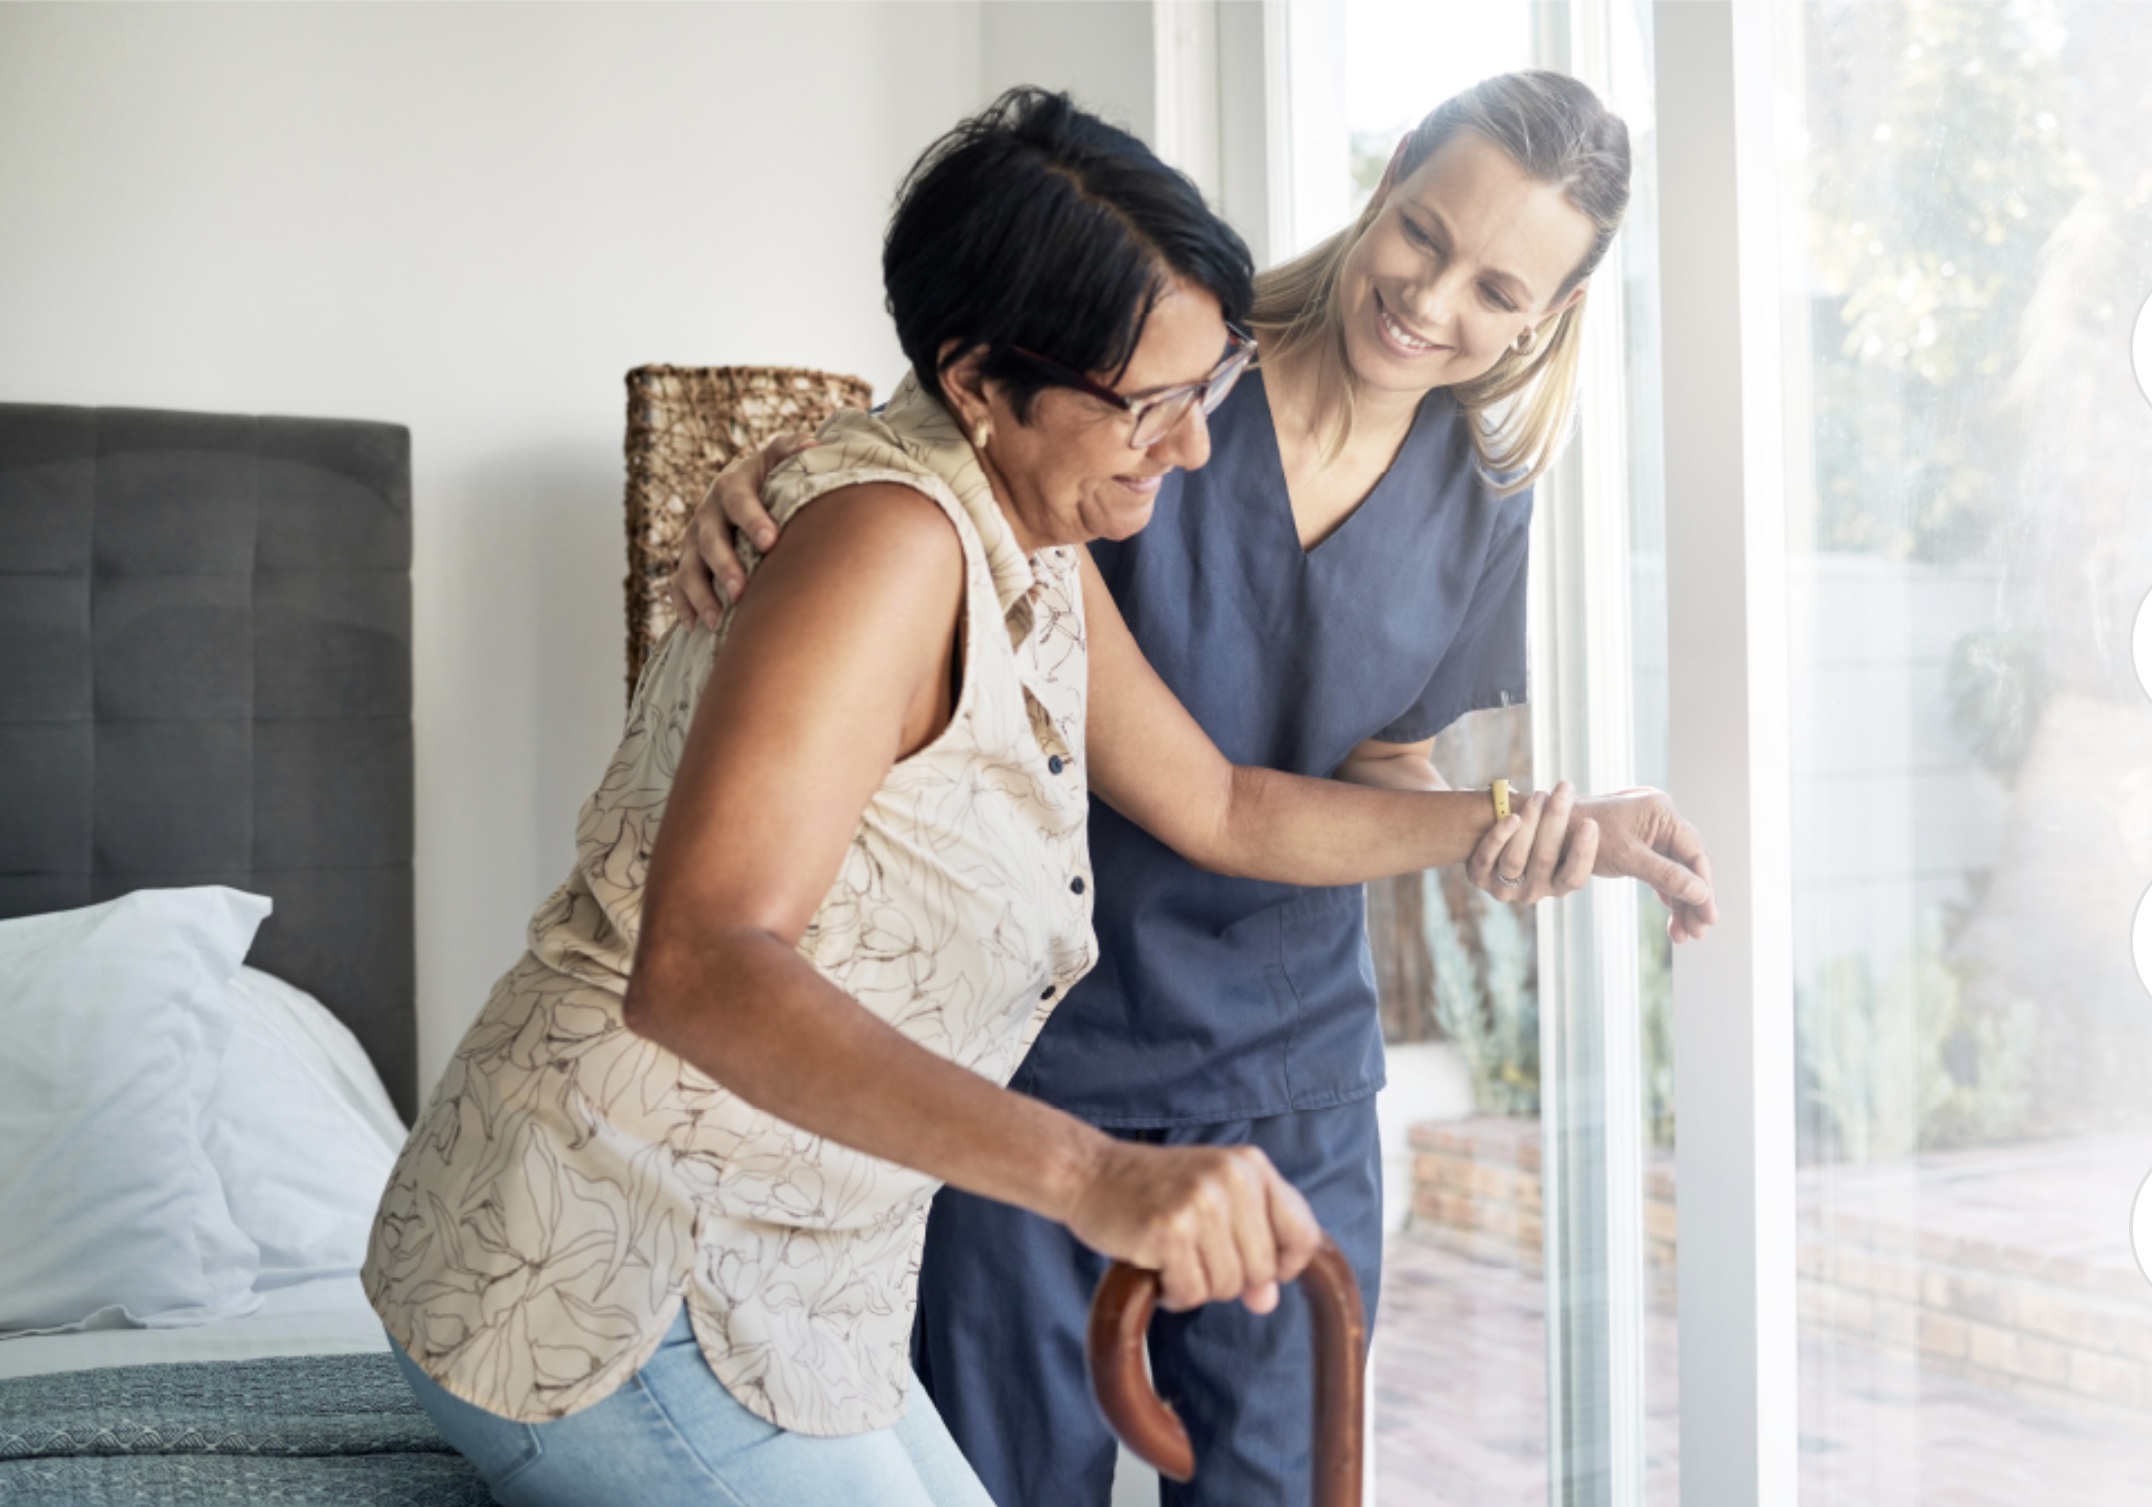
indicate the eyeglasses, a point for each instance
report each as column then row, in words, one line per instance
column 1155, row 416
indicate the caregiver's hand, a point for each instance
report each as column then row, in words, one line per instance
column 710, row 576
column 1542, row 849
column 1642, row 836
column 1215, row 1222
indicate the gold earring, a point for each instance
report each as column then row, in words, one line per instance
column 1525, row 340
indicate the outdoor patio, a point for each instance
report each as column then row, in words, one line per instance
column 1974, row 1331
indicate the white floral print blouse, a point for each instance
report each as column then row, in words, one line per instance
column 570, row 1183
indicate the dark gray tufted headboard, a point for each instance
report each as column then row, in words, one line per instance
column 205, row 677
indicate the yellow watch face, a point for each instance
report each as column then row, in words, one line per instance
column 1501, row 800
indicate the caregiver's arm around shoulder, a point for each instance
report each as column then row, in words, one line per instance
column 837, row 666
column 1152, row 762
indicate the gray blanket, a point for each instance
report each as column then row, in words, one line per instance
column 300, row 1431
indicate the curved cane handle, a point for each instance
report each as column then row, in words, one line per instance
column 1121, row 1316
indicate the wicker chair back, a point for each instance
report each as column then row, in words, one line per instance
column 684, row 424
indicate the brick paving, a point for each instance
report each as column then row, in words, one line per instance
column 1460, row 1381
column 1460, row 1410
column 2007, row 1265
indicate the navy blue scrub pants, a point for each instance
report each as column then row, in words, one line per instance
column 1003, row 1300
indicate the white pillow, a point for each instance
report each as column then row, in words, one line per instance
column 300, row 1130
column 110, row 1210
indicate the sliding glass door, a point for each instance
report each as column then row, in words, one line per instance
column 1906, row 244
column 1967, row 236
column 1909, row 531
column 1528, row 1125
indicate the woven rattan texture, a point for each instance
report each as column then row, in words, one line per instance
column 684, row 424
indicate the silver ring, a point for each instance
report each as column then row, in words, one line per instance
column 1508, row 883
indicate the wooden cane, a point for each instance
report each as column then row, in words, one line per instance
column 1121, row 1316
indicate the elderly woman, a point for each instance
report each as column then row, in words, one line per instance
column 656, row 1236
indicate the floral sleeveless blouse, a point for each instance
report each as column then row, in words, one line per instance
column 570, row 1184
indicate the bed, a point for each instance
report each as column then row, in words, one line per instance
column 205, row 692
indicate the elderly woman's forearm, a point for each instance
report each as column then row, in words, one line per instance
column 745, row 1008
column 1296, row 830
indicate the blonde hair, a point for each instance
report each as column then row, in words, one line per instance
column 1556, row 130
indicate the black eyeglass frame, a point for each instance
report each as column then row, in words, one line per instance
column 1210, row 392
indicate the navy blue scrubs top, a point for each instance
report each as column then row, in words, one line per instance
column 1226, row 999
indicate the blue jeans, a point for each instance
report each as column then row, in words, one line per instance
column 671, row 1436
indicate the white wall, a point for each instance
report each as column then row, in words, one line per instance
column 473, row 220
column 1100, row 51
column 470, row 220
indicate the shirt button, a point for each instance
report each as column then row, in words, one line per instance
column 1076, row 885
column 1054, row 765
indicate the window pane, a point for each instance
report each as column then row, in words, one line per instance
column 1971, row 532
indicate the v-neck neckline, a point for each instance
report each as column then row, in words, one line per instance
column 1308, row 552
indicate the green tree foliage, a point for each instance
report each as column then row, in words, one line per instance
column 1997, row 685
column 1938, row 171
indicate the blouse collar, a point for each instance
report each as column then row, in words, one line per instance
column 931, row 433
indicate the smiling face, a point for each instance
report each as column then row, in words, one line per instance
column 1461, row 256
column 1069, row 474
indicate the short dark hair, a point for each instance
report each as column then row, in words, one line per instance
column 1036, row 224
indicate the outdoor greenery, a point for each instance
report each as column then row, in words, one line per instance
column 1938, row 171
column 1979, row 211
column 1914, row 1061
column 1655, row 991
column 1370, row 155
column 1486, row 995
column 1997, row 687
